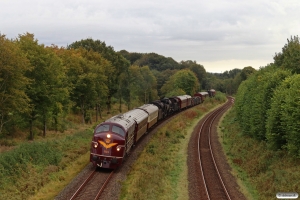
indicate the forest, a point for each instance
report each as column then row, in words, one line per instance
column 268, row 102
column 41, row 85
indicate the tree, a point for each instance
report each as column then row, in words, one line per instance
column 162, row 77
column 13, row 66
column 132, row 57
column 86, row 79
column 148, row 84
column 197, row 69
column 289, row 58
column 135, row 90
column 246, row 72
column 48, row 78
column 183, row 79
column 118, row 64
column 157, row 62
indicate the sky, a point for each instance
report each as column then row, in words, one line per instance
column 218, row 34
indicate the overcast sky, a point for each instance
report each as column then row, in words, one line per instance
column 219, row 34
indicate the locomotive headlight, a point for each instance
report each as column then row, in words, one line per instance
column 95, row 144
column 108, row 135
column 118, row 148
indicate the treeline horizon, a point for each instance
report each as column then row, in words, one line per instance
column 40, row 85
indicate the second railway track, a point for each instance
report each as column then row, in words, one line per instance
column 212, row 180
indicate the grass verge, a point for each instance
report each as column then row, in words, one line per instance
column 262, row 172
column 29, row 167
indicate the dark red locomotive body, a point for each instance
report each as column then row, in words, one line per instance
column 112, row 139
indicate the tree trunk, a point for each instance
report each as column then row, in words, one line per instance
column 120, row 106
column 108, row 104
column 30, row 128
column 44, row 130
column 100, row 112
column 56, row 123
column 82, row 111
column 96, row 112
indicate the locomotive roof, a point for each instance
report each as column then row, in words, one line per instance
column 126, row 123
column 137, row 115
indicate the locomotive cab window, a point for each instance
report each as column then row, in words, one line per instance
column 118, row 130
column 102, row 128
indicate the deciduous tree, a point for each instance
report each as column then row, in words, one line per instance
column 13, row 66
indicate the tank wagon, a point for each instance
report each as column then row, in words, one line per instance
column 114, row 138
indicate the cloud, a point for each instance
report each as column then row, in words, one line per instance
column 207, row 31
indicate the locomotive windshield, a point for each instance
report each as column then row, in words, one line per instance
column 118, row 130
column 102, row 128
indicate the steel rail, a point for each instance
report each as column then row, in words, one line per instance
column 83, row 185
column 103, row 186
column 212, row 155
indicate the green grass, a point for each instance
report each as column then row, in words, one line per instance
column 262, row 172
column 30, row 166
column 161, row 169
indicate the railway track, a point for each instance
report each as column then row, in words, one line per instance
column 93, row 185
column 213, row 183
column 208, row 182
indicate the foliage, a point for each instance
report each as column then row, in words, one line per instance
column 283, row 127
column 86, row 79
column 289, row 58
column 132, row 57
column 197, row 69
column 267, row 103
column 226, row 82
column 113, row 72
column 264, row 172
column 13, row 66
column 253, row 100
column 246, row 72
column 220, row 96
column 47, row 89
column 141, row 86
column 157, row 62
column 162, row 77
column 183, row 79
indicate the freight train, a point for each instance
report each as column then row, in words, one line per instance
column 114, row 138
